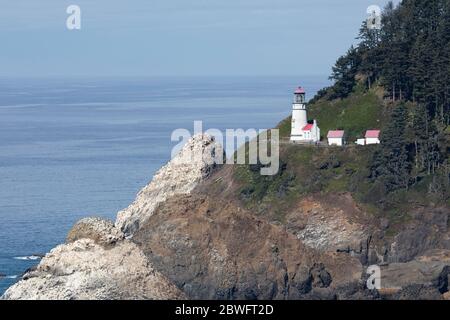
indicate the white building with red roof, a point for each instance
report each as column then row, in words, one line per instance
column 372, row 137
column 336, row 137
column 301, row 129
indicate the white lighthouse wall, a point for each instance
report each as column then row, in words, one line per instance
column 299, row 120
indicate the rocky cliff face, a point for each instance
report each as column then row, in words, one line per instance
column 188, row 235
column 332, row 223
column 195, row 162
column 213, row 249
column 96, row 263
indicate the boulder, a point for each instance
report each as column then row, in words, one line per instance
column 101, row 231
column 86, row 270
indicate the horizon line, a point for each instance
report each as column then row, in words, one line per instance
column 158, row 76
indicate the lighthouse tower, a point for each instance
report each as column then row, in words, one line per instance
column 301, row 129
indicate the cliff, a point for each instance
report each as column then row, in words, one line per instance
column 98, row 262
column 95, row 263
column 181, row 175
column 201, row 230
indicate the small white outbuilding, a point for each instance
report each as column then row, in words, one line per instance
column 373, row 137
column 336, row 137
column 361, row 142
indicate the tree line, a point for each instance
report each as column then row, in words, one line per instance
column 409, row 56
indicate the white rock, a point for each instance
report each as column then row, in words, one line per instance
column 180, row 176
column 87, row 271
column 102, row 231
column 98, row 262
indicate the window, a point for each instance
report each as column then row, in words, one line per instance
column 299, row 98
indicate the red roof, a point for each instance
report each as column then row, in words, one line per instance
column 373, row 134
column 299, row 90
column 336, row 134
column 308, row 127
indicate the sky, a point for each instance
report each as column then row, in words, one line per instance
column 177, row 37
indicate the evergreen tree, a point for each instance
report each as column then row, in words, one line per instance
column 344, row 73
column 390, row 164
column 410, row 58
column 369, row 51
column 425, row 139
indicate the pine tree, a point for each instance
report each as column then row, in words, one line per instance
column 390, row 163
column 410, row 58
column 344, row 73
column 369, row 52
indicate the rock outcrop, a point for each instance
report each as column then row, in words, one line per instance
column 98, row 264
column 188, row 235
column 101, row 231
column 430, row 270
column 428, row 229
column 330, row 224
column 195, row 162
column 213, row 249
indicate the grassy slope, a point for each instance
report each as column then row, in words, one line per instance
column 308, row 169
column 304, row 170
column 355, row 115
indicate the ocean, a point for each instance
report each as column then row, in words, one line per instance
column 72, row 148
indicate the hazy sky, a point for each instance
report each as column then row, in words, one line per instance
column 177, row 37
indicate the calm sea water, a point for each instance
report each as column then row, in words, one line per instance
column 84, row 147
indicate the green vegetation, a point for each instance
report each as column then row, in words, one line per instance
column 308, row 170
column 390, row 166
column 397, row 80
column 304, row 170
column 354, row 114
column 410, row 58
column 285, row 128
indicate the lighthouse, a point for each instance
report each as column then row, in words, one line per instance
column 301, row 129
